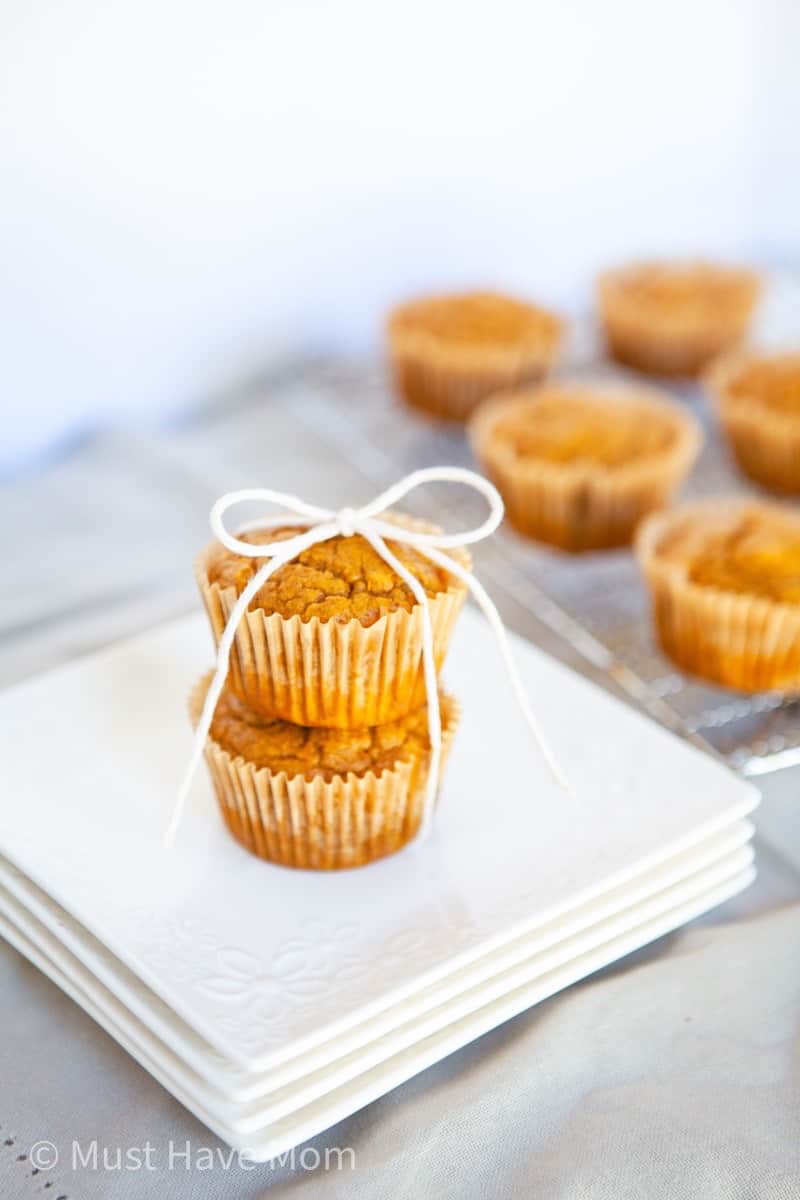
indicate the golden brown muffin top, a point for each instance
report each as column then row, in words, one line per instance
column 574, row 426
column 341, row 579
column 682, row 287
column 753, row 550
column 281, row 746
column 769, row 380
column 479, row 319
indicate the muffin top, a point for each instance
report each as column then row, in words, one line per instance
column 584, row 427
column 479, row 320
column 341, row 579
column 770, row 381
column 752, row 549
column 281, row 746
column 682, row 288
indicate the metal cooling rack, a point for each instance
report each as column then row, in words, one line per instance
column 595, row 604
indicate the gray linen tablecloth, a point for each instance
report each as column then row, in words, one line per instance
column 675, row 1074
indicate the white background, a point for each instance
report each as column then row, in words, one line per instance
column 191, row 189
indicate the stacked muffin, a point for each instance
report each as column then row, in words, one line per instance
column 319, row 749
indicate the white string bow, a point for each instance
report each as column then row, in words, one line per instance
column 320, row 525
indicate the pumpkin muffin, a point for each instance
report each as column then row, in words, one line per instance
column 758, row 401
column 673, row 318
column 449, row 352
column 334, row 638
column 724, row 577
column 579, row 465
column 319, row 798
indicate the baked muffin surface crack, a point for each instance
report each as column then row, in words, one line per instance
column 340, row 579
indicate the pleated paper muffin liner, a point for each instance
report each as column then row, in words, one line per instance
column 765, row 442
column 748, row 643
column 339, row 674
column 582, row 506
column 673, row 344
column 449, row 381
column 323, row 825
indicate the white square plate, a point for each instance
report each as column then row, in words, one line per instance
column 265, row 963
column 265, row 1141
column 266, row 1097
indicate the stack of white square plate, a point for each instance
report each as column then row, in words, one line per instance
column 273, row 1003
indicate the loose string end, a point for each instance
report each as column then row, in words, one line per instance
column 489, row 610
column 171, row 832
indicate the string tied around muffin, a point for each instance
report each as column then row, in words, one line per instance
column 322, row 524
column 346, row 520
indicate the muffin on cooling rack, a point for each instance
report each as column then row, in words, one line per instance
column 758, row 401
column 673, row 318
column 579, row 465
column 449, row 352
column 724, row 577
column 334, row 638
column 319, row 798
